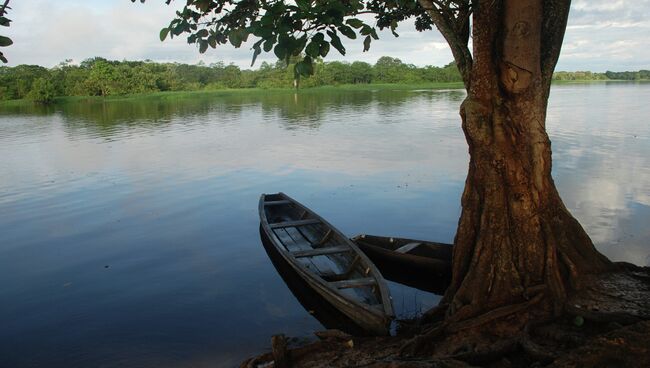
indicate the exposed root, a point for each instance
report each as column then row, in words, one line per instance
column 535, row 351
column 494, row 314
column 487, row 355
column 420, row 343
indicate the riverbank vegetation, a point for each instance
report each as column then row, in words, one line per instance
column 101, row 77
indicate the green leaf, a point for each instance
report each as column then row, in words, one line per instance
column 236, row 37
column 308, row 69
column 355, row 23
column 304, row 68
column 212, row 41
column 336, row 42
column 202, row 33
column 4, row 21
column 393, row 27
column 303, row 4
column 5, row 41
column 308, row 66
column 313, row 49
column 163, row 33
column 268, row 45
column 3, row 58
column 366, row 43
column 298, row 45
column 348, row 32
column 318, row 37
column 280, row 51
column 324, row 48
column 203, row 46
column 177, row 30
column 258, row 50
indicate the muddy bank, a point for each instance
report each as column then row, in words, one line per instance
column 554, row 345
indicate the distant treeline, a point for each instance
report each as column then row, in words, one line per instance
column 101, row 77
column 640, row 75
column 608, row 75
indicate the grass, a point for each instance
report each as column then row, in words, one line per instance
column 388, row 86
column 227, row 92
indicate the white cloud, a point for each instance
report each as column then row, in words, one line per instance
column 601, row 35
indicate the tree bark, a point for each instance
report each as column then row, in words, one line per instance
column 516, row 243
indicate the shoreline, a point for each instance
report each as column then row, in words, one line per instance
column 237, row 91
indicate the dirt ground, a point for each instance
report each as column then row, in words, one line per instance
column 615, row 346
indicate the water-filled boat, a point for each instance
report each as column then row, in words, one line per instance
column 330, row 263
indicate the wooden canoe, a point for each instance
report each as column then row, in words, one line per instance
column 330, row 263
column 319, row 308
column 418, row 263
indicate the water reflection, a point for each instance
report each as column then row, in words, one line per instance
column 602, row 163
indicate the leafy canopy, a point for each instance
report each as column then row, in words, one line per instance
column 4, row 22
column 291, row 28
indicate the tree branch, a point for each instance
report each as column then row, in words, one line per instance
column 455, row 36
column 4, row 7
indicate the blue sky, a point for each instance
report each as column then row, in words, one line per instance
column 602, row 35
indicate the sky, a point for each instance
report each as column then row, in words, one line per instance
column 601, row 35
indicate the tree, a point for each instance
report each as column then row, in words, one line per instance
column 43, row 91
column 4, row 22
column 102, row 79
column 361, row 72
column 519, row 255
column 388, row 69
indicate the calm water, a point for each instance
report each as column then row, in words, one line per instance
column 129, row 230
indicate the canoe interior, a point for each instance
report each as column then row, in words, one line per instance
column 422, row 248
column 322, row 251
column 327, row 314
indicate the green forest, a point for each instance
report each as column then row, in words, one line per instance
column 101, row 77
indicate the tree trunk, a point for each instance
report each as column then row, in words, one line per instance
column 518, row 250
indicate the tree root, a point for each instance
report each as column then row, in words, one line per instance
column 535, row 351
column 494, row 314
column 487, row 355
column 420, row 343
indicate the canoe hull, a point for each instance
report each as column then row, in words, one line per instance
column 429, row 269
column 375, row 319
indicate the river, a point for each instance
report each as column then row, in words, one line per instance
column 129, row 229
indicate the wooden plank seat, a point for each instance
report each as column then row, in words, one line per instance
column 354, row 283
column 296, row 223
column 408, row 247
column 321, row 251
